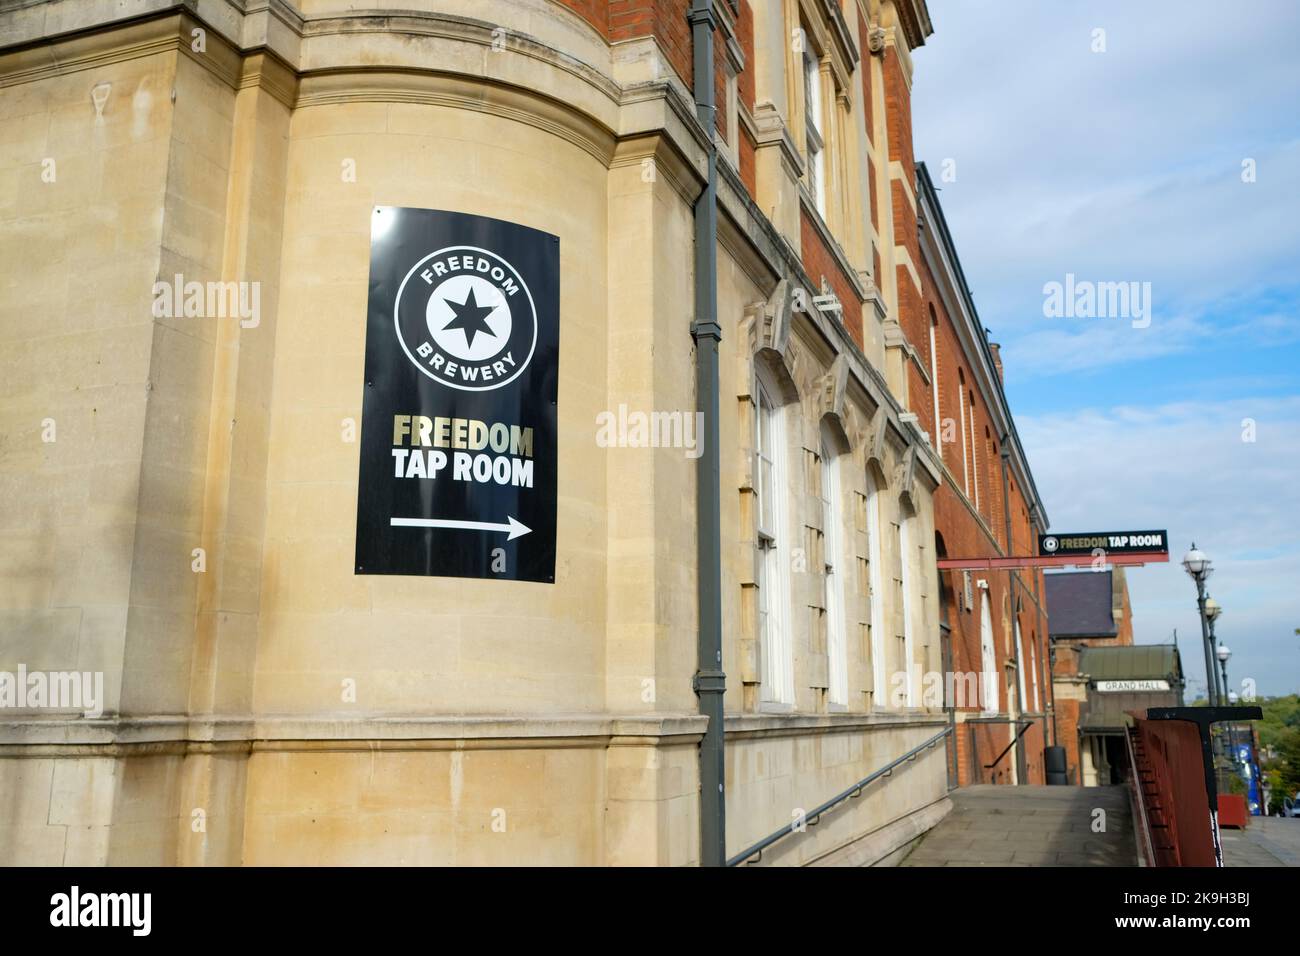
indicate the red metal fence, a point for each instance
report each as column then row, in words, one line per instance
column 1170, row 788
column 1173, row 782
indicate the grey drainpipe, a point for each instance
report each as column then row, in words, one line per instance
column 710, row 681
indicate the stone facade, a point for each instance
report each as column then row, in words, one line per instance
column 188, row 531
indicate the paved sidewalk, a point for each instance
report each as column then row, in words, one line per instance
column 1268, row 841
column 1031, row 826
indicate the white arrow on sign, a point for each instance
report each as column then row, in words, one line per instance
column 516, row 528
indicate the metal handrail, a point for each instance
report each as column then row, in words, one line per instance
column 1023, row 727
column 854, row 791
column 1146, row 847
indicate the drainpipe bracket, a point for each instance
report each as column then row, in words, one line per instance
column 706, row 329
column 702, row 14
column 709, row 682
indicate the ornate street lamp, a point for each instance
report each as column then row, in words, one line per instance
column 1212, row 611
column 1198, row 566
column 1223, row 655
column 1228, row 696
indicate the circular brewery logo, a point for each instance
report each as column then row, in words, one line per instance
column 465, row 318
column 1050, row 544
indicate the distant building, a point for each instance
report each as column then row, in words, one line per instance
column 1098, row 673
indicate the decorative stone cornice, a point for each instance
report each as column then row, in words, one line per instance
column 895, row 338
column 267, row 71
column 355, row 85
column 771, row 130
column 129, row 736
column 668, row 162
column 914, row 17
column 832, row 387
column 839, row 28
column 772, row 319
column 39, row 60
column 905, row 471
column 456, row 28
column 872, row 295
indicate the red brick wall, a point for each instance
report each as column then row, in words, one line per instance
column 745, row 37
column 1067, row 711
column 898, row 109
column 666, row 21
column 595, row 12
column 912, row 314
column 745, row 93
column 663, row 19
column 915, row 319
column 720, row 84
column 965, row 536
column 818, row 261
column 748, row 163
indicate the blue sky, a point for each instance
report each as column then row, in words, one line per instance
column 1126, row 166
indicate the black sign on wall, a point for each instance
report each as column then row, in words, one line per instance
column 458, row 427
column 1112, row 542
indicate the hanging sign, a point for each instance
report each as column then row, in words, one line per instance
column 1112, row 542
column 458, row 429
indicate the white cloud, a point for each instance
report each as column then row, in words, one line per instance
column 1118, row 166
column 1184, row 467
column 1061, row 345
column 1126, row 166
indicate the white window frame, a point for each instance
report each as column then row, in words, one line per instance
column 1021, row 664
column 975, row 456
column 1033, row 673
column 731, row 118
column 989, row 676
column 776, row 650
column 832, row 522
column 905, row 545
column 934, row 387
column 965, row 439
column 876, row 592
column 814, row 125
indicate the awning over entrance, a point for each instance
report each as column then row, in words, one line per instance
column 1134, row 662
column 1121, row 679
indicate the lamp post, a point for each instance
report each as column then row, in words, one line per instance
column 1198, row 566
column 1212, row 611
column 1224, row 694
column 1223, row 655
